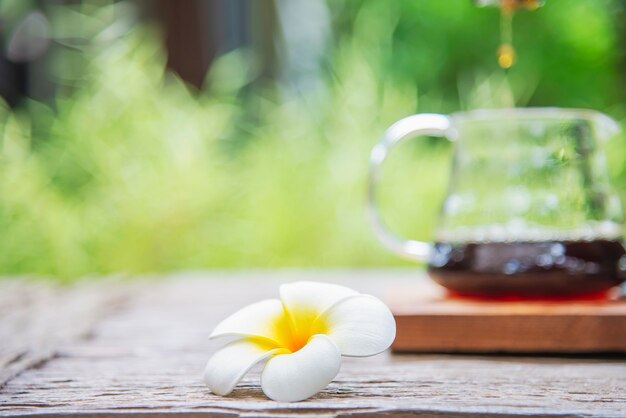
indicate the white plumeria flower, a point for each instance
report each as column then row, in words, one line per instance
column 304, row 335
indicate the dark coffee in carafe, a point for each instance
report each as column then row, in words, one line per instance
column 540, row 269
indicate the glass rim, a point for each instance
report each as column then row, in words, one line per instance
column 537, row 113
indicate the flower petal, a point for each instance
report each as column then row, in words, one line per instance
column 230, row 363
column 298, row 376
column 265, row 319
column 304, row 301
column 315, row 296
column 360, row 325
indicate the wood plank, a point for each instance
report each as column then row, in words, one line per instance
column 36, row 317
column 146, row 358
column 428, row 321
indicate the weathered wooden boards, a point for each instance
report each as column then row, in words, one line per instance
column 144, row 355
column 429, row 322
column 36, row 317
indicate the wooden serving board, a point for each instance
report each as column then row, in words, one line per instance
column 428, row 321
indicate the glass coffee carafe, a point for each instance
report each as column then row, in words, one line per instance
column 530, row 211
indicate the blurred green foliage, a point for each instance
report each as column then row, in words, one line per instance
column 130, row 170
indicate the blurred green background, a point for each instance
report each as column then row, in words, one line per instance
column 141, row 137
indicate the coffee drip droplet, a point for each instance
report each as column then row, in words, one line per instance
column 506, row 56
column 506, row 52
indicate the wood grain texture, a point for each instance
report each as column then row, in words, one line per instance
column 35, row 317
column 146, row 356
column 429, row 322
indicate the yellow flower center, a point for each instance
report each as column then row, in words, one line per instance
column 296, row 327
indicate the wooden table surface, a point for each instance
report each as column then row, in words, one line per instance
column 117, row 347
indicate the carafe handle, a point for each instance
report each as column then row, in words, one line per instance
column 428, row 124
